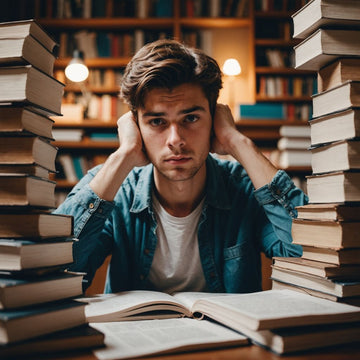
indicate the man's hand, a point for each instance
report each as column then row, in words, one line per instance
column 108, row 180
column 229, row 141
column 130, row 140
column 224, row 130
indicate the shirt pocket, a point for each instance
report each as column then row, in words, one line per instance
column 240, row 268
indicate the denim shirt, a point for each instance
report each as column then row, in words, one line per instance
column 236, row 224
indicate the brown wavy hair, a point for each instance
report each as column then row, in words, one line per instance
column 167, row 64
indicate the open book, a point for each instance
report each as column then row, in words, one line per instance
column 281, row 320
column 257, row 311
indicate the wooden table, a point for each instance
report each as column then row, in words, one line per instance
column 252, row 352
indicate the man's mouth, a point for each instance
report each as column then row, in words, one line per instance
column 177, row 160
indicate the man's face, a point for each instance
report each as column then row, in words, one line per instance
column 176, row 127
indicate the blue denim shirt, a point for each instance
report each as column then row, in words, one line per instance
column 236, row 224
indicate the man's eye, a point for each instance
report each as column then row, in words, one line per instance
column 191, row 118
column 156, row 122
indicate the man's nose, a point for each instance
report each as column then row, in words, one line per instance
column 175, row 138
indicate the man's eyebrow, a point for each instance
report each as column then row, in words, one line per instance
column 184, row 111
column 192, row 109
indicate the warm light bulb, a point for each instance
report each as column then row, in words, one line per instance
column 77, row 72
column 231, row 67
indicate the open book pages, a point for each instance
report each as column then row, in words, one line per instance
column 256, row 311
column 140, row 338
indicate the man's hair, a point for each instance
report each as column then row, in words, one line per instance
column 167, row 64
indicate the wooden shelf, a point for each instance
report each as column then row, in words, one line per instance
column 268, row 70
column 95, row 62
column 87, row 144
column 276, row 42
column 87, row 123
column 108, row 23
column 297, row 99
column 262, row 129
column 93, row 89
column 203, row 23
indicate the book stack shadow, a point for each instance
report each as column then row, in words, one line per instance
column 328, row 227
column 37, row 309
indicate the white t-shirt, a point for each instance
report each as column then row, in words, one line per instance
column 176, row 265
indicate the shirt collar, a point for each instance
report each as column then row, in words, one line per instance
column 216, row 196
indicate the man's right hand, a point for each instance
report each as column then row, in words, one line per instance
column 129, row 154
column 130, row 139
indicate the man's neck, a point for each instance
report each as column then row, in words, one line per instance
column 180, row 198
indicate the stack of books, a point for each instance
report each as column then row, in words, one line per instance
column 292, row 147
column 35, row 245
column 328, row 227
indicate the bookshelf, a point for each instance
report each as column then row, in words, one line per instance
column 214, row 30
column 276, row 79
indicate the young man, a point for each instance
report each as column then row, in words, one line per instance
column 173, row 217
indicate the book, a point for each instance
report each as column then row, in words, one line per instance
column 332, row 234
column 293, row 157
column 337, row 156
column 21, row 291
column 27, row 323
column 22, row 254
column 352, row 300
column 262, row 111
column 59, row 342
column 24, row 28
column 332, row 255
column 33, row 87
column 334, row 127
column 333, row 187
column 331, row 211
column 340, row 288
column 294, row 143
column 294, row 339
column 338, row 73
column 295, row 131
column 325, row 46
column 35, row 225
column 320, row 13
column 32, row 169
column 318, row 268
column 26, row 190
column 336, row 99
column 18, row 120
column 27, row 151
column 167, row 336
column 256, row 311
column 26, row 51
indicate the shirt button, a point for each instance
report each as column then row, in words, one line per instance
column 91, row 205
column 141, row 277
column 278, row 192
column 146, row 251
column 212, row 274
column 100, row 211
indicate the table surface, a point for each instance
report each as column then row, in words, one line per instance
column 252, row 352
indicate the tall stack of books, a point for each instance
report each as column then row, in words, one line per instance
column 292, row 147
column 35, row 245
column 328, row 227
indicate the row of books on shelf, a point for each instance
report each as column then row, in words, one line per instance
column 106, row 44
column 215, row 8
column 73, row 168
column 277, row 86
column 281, row 6
column 274, row 57
column 327, row 227
column 98, row 78
column 120, row 8
column 36, row 304
column 276, row 111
